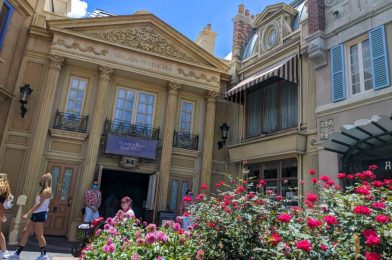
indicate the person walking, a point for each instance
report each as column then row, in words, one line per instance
column 92, row 199
column 39, row 214
column 6, row 202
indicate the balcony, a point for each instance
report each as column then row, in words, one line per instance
column 121, row 128
column 185, row 140
column 70, row 122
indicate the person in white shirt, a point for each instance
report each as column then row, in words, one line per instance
column 126, row 208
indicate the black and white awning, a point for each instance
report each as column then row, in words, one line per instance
column 285, row 69
column 362, row 136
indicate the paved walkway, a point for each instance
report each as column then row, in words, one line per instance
column 58, row 248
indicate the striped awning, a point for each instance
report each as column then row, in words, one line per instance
column 285, row 69
column 363, row 135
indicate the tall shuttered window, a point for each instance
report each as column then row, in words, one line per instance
column 364, row 64
column 5, row 14
column 360, row 69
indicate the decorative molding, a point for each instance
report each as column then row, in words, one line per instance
column 146, row 39
column 76, row 45
column 326, row 129
column 317, row 53
column 330, row 3
column 105, row 73
column 211, row 96
column 201, row 76
column 56, row 62
column 173, row 87
column 67, row 134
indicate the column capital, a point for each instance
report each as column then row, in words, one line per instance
column 173, row 87
column 105, row 73
column 56, row 62
column 211, row 96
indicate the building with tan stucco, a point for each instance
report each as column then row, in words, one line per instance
column 124, row 99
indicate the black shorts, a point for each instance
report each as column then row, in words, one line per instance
column 39, row 217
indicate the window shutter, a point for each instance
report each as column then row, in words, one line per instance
column 378, row 50
column 337, row 73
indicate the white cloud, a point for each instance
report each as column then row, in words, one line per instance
column 228, row 56
column 78, row 9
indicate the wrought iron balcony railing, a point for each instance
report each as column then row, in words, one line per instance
column 70, row 122
column 185, row 140
column 121, row 128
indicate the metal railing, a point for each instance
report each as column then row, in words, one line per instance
column 185, row 140
column 70, row 122
column 121, row 128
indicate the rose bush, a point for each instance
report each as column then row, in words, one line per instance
column 247, row 221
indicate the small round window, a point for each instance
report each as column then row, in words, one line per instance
column 270, row 37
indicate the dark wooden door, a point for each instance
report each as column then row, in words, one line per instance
column 63, row 187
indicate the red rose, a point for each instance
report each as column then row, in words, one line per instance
column 372, row 240
column 312, row 197
column 362, row 210
column 314, row 180
column 187, row 198
column 362, row 190
column 369, row 232
column 330, row 220
column 304, row 245
column 372, row 256
column 378, row 205
column 382, row 219
column 275, row 239
column 211, row 224
column 324, row 178
column 341, row 175
column 373, row 167
column 309, row 204
column 203, row 186
column 279, row 198
column 377, row 183
column 200, row 197
column 312, row 171
column 251, row 195
column 187, row 214
column 262, row 182
column 323, row 247
column 227, row 210
column 239, row 189
column 350, row 176
column 284, row 217
column 313, row 223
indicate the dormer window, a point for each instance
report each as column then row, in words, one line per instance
column 271, row 36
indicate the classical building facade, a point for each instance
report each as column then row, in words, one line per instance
column 350, row 43
column 124, row 99
column 271, row 101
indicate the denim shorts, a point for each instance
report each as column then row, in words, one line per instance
column 39, row 217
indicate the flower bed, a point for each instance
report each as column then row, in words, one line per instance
column 240, row 224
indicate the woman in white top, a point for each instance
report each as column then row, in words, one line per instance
column 39, row 214
column 126, row 208
column 5, row 199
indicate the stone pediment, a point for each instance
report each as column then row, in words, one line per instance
column 273, row 11
column 144, row 38
column 141, row 32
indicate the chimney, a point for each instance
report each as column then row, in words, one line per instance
column 316, row 16
column 242, row 28
column 206, row 39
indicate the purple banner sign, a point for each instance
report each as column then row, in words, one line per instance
column 131, row 146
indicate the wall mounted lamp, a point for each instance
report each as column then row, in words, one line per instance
column 25, row 92
column 224, row 130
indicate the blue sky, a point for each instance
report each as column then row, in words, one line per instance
column 186, row 16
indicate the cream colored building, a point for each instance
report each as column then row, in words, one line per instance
column 352, row 58
column 272, row 98
column 125, row 99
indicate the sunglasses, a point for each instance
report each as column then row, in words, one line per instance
column 124, row 202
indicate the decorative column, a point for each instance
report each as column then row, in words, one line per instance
column 167, row 144
column 41, row 126
column 208, row 144
column 97, row 125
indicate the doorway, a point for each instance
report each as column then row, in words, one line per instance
column 63, row 185
column 117, row 184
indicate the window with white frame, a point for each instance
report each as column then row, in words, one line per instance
column 360, row 68
column 186, row 120
column 75, row 99
column 134, row 107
